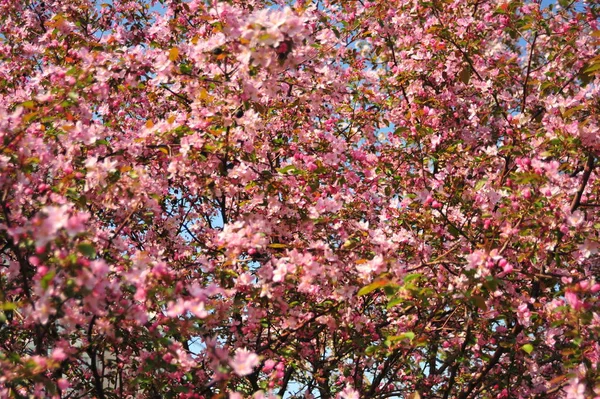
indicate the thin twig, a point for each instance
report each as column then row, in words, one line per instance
column 524, row 101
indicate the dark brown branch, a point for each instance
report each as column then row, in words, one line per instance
column 186, row 100
column 469, row 61
column 524, row 101
column 92, row 351
column 491, row 364
column 455, row 366
column 123, row 224
column 24, row 266
column 286, row 379
column 387, row 364
column 589, row 167
column 576, row 171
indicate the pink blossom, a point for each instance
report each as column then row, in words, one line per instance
column 575, row 389
column 573, row 300
column 524, row 314
column 371, row 267
column 59, row 354
column 269, row 365
column 244, row 361
column 76, row 223
column 348, row 393
column 476, row 259
column 56, row 217
column 197, row 309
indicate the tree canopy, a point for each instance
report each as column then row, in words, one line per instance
column 305, row 199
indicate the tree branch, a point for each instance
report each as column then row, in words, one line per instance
column 524, row 101
column 492, row 363
column 589, row 167
column 92, row 353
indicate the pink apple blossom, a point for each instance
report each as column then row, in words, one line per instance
column 244, row 362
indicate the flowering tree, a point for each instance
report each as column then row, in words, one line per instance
column 326, row 199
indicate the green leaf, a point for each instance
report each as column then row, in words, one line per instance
column 8, row 306
column 373, row 286
column 350, row 243
column 479, row 185
column 185, row 68
column 28, row 104
column 491, row 283
column 465, row 75
column 277, row 245
column 87, row 249
column 479, row 301
column 288, row 169
column 45, row 281
column 103, row 142
column 527, row 348
column 411, row 277
column 394, row 302
column 409, row 335
column 454, row 231
column 371, row 350
column 390, row 290
column 593, row 68
column 569, row 112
